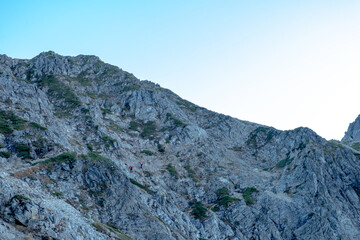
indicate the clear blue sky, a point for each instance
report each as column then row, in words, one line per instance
column 279, row 63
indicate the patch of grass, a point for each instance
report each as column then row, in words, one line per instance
column 287, row 190
column 147, row 152
column 9, row 121
column 187, row 105
column 191, row 173
column 89, row 146
column 236, row 149
column 171, row 169
column 37, row 126
column 57, row 194
column 284, row 162
column 5, row 154
column 98, row 159
column 268, row 133
column 62, row 158
column 108, row 141
column 247, row 195
column 224, row 198
column 21, row 197
column 176, row 122
column 23, row 151
column 134, row 126
column 5, row 128
column 199, row 211
column 41, row 142
column 106, row 111
column 149, row 129
column 145, row 187
column 356, row 146
column 215, row 208
column 114, row 127
column 85, row 110
column 160, row 148
column 311, row 214
column 133, row 87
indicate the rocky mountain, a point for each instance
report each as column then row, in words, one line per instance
column 70, row 128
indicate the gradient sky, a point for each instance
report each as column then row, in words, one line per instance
column 280, row 63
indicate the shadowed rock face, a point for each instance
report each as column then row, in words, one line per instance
column 70, row 128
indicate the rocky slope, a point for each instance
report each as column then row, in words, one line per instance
column 70, row 127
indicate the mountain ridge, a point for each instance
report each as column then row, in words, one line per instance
column 72, row 126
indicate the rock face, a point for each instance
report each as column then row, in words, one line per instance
column 353, row 132
column 70, row 128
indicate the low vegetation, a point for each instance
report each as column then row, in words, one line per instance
column 247, row 195
column 145, row 187
column 199, row 211
column 5, row 154
column 223, row 197
column 284, row 162
column 171, row 169
column 176, row 122
column 68, row 157
column 160, row 148
column 10, row 122
column 23, row 151
column 147, row 152
column 63, row 96
column 191, row 173
column 263, row 133
column 37, row 126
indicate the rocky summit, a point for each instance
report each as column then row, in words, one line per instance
column 88, row 151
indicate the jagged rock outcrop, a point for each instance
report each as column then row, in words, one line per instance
column 70, row 128
column 353, row 132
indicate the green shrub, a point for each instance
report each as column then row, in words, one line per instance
column 172, row 170
column 247, row 195
column 187, row 105
column 64, row 157
column 268, row 133
column 37, row 126
column 9, row 121
column 85, row 110
column 134, row 125
column 23, row 151
column 147, row 152
column 161, row 148
column 21, row 197
column 356, row 146
column 5, row 128
column 5, row 154
column 57, row 194
column 89, row 146
column 224, row 198
column 149, row 129
column 199, row 211
column 284, row 162
column 106, row 111
column 108, row 141
column 177, row 122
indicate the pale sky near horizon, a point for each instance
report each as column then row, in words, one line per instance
column 279, row 63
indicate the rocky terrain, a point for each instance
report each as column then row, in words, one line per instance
column 70, row 128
